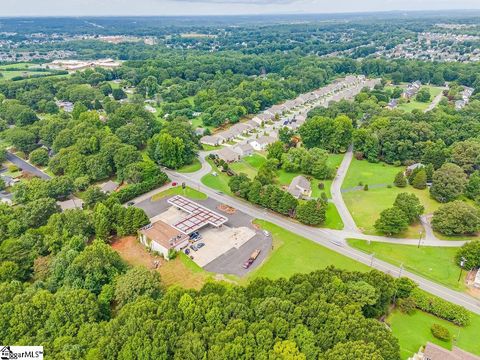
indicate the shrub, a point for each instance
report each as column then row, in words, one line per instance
column 12, row 168
column 131, row 191
column 407, row 305
column 440, row 332
column 321, row 186
column 400, row 180
column 365, row 188
column 441, row 308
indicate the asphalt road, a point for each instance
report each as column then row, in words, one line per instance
column 335, row 241
column 25, row 166
column 337, row 198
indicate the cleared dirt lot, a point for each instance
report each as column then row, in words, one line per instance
column 180, row 271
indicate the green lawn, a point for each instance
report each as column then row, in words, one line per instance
column 219, row 182
column 362, row 171
column 333, row 218
column 195, row 166
column 295, row 254
column 413, row 104
column 177, row 190
column 249, row 165
column 366, row 206
column 434, row 263
column 413, row 331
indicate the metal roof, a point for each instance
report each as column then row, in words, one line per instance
column 198, row 215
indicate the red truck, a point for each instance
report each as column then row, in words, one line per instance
column 252, row 258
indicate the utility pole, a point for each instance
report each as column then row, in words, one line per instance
column 401, row 269
column 420, row 238
column 371, row 261
column 462, row 264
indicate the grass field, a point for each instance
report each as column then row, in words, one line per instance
column 434, row 263
column 295, row 254
column 334, row 220
column 366, row 206
column 413, row 104
column 362, row 171
column 177, row 190
column 195, row 166
column 413, row 331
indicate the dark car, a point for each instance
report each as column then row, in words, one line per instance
column 130, row 203
column 194, row 247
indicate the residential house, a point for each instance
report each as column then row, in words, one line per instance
column 243, row 150
column 300, row 187
column 228, row 155
column 240, row 128
column 70, row 204
column 212, row 140
column 253, row 124
column 199, row 131
column 412, row 90
column 476, row 282
column 262, row 142
column 109, row 186
column 392, row 104
column 66, row 106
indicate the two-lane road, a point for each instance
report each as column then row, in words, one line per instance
column 334, row 240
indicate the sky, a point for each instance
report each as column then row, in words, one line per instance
column 217, row 7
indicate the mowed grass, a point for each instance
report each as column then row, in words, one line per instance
column 177, row 190
column 333, row 221
column 366, row 206
column 413, row 331
column 195, row 166
column 295, row 254
column 434, row 263
column 416, row 105
column 362, row 171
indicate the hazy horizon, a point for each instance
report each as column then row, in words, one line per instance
column 76, row 8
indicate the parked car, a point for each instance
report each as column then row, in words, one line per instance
column 194, row 235
column 174, row 184
column 194, row 247
column 130, row 203
column 200, row 245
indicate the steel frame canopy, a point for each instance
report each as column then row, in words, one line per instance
column 198, row 215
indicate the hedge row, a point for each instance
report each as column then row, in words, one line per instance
column 441, row 308
column 131, row 191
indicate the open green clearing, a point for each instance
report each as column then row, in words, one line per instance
column 434, row 263
column 177, row 190
column 366, row 206
column 364, row 172
column 195, row 166
column 416, row 105
column 413, row 331
column 295, row 254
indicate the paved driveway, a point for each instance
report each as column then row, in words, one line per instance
column 231, row 261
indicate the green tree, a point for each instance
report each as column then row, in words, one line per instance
column 456, row 218
column 423, row 95
column 137, row 282
column 448, row 183
column 410, row 204
column 39, row 157
column 471, row 252
column 311, row 212
column 400, row 180
column 420, row 180
column 392, row 221
column 472, row 190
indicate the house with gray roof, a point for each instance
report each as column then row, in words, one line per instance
column 262, row 142
column 243, row 150
column 228, row 155
column 300, row 187
column 212, row 140
column 109, row 186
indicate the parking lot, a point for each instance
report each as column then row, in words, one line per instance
column 226, row 248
